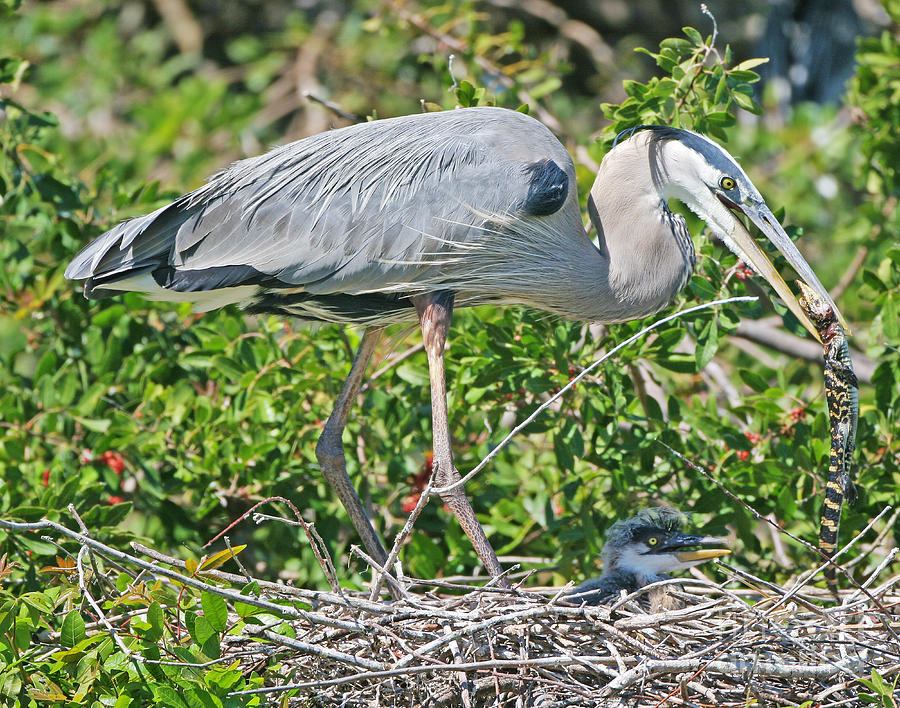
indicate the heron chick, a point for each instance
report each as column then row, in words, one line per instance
column 643, row 550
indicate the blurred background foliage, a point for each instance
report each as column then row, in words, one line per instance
column 160, row 424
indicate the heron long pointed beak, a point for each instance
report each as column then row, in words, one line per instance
column 762, row 216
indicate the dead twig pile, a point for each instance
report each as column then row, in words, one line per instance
column 451, row 644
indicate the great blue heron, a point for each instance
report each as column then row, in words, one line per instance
column 642, row 550
column 402, row 218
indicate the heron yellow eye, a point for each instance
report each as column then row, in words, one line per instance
column 727, row 183
column 652, row 541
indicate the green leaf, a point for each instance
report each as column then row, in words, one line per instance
column 10, row 683
column 95, row 425
column 721, row 90
column 203, row 629
column 228, row 367
column 27, row 513
column 753, row 380
column 693, row 35
column 167, row 696
column 215, row 610
column 156, row 621
column 747, row 103
column 545, row 87
column 465, row 94
column 72, row 630
column 707, row 343
column 751, row 64
column 199, row 698
column 890, row 318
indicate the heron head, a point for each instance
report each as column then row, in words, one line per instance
column 653, row 543
column 703, row 175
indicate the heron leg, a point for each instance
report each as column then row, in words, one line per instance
column 435, row 311
column 330, row 448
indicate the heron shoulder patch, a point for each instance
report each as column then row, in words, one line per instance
column 548, row 188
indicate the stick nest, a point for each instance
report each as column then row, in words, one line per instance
column 443, row 643
column 490, row 647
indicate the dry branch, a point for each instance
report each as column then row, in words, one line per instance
column 525, row 647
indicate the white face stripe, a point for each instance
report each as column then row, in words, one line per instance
column 647, row 567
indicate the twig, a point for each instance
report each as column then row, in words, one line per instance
column 464, row 684
column 82, row 585
column 381, row 570
column 401, row 539
column 186, row 31
column 705, row 10
column 850, row 274
column 102, row 548
column 316, row 650
column 888, row 559
column 319, row 549
column 644, row 669
column 333, row 107
column 237, row 560
column 392, row 363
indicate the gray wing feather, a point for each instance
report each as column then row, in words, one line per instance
column 357, row 209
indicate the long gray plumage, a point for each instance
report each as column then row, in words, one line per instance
column 376, row 211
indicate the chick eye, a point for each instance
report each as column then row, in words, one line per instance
column 652, row 541
column 727, row 184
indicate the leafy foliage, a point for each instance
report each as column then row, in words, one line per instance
column 159, row 424
column 698, row 90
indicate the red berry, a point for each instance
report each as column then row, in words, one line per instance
column 45, row 478
column 753, row 437
column 114, row 500
column 798, row 414
column 115, row 461
column 742, row 271
column 743, row 455
column 410, row 503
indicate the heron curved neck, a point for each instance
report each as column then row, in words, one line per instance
column 648, row 250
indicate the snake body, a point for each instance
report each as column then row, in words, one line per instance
column 842, row 397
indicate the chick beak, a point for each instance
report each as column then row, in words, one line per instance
column 696, row 555
column 702, row 554
column 766, row 222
